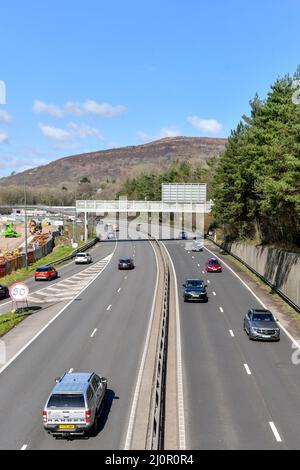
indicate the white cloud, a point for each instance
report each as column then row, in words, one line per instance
column 210, row 126
column 3, row 137
column 40, row 107
column 103, row 109
column 54, row 133
column 82, row 131
column 72, row 108
column 74, row 131
column 162, row 134
column 5, row 117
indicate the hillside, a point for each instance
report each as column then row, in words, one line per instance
column 115, row 165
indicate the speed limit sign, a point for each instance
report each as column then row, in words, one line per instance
column 19, row 292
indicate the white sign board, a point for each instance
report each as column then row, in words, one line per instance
column 184, row 193
column 19, row 292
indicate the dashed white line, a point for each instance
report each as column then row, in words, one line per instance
column 109, row 308
column 247, row 369
column 221, row 310
column 275, row 432
column 214, row 294
column 208, row 281
column 71, row 371
column 119, row 290
column 203, row 272
column 231, row 333
column 94, row 332
column 24, row 447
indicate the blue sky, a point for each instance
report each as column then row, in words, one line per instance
column 88, row 75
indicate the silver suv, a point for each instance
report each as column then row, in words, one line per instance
column 74, row 405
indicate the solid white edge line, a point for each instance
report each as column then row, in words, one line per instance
column 181, row 413
column 56, row 316
column 293, row 340
column 142, row 365
column 247, row 369
column 275, row 432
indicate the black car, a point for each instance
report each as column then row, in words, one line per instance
column 126, row 263
column 4, row 292
column 195, row 291
column 261, row 325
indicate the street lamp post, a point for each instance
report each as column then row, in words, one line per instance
column 26, row 223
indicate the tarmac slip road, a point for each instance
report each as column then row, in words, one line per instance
column 65, row 271
column 104, row 331
column 238, row 394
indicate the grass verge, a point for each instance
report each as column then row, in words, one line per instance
column 22, row 274
column 9, row 320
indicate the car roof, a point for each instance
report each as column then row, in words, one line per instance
column 75, row 383
column 260, row 311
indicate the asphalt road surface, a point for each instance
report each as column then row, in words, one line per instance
column 104, row 331
column 238, row 394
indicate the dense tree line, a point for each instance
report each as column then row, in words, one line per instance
column 148, row 185
column 256, row 187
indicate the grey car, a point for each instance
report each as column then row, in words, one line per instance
column 74, row 405
column 261, row 325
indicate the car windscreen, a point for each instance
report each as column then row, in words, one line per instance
column 82, row 255
column 214, row 262
column 125, row 260
column 194, row 284
column 268, row 317
column 66, row 401
column 42, row 270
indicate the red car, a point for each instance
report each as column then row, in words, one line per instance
column 45, row 273
column 214, row 266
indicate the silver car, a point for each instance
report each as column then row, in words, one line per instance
column 197, row 247
column 74, row 405
column 261, row 325
column 83, row 258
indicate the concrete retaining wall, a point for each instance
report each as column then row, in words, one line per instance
column 281, row 268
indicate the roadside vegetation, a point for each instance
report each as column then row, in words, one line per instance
column 9, row 320
column 148, row 185
column 256, row 186
column 23, row 274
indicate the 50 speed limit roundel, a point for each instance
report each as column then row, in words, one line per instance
column 19, row 292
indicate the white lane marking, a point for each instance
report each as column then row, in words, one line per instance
column 24, row 447
column 214, row 294
column 231, row 333
column 198, row 265
column 71, row 371
column 247, row 369
column 142, row 365
column 208, row 282
column 203, row 272
column 109, row 308
column 125, row 278
column 119, row 290
column 193, row 257
column 275, row 432
column 56, row 316
column 181, row 413
column 293, row 340
column 221, row 310
column 94, row 332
